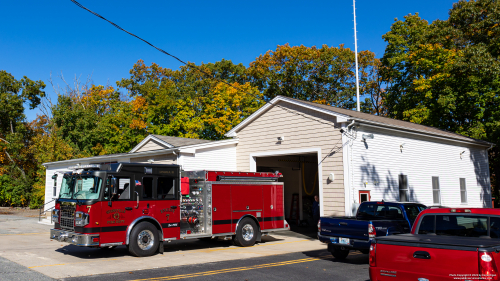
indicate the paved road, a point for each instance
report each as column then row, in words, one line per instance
column 314, row 265
column 26, row 253
column 12, row 271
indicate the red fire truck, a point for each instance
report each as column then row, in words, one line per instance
column 142, row 205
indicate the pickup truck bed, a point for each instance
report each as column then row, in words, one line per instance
column 445, row 244
column 413, row 256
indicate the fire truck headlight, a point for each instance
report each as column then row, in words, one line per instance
column 55, row 215
column 81, row 218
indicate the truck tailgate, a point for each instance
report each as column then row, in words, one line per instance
column 409, row 257
column 344, row 227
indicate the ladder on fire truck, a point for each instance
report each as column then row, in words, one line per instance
column 294, row 210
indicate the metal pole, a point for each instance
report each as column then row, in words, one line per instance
column 356, row 55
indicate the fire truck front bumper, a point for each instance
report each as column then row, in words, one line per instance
column 77, row 239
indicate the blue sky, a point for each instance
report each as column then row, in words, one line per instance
column 38, row 38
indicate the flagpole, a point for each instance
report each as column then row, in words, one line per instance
column 356, row 55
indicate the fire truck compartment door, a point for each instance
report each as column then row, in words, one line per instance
column 167, row 212
column 115, row 220
column 221, row 208
column 246, row 199
column 273, row 213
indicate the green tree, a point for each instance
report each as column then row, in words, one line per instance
column 177, row 100
column 98, row 121
column 325, row 75
column 17, row 168
column 447, row 74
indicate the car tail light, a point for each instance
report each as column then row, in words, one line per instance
column 487, row 267
column 373, row 249
column 371, row 231
column 319, row 225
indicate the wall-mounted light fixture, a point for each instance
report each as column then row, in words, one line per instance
column 331, row 177
column 461, row 153
column 150, row 161
column 282, row 138
column 368, row 136
column 401, row 147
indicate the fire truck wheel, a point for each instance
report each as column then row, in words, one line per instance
column 143, row 240
column 246, row 234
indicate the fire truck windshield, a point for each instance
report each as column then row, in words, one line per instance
column 78, row 187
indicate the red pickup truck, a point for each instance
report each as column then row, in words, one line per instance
column 444, row 244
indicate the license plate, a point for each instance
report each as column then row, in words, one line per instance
column 343, row 240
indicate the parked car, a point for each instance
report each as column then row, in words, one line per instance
column 343, row 234
column 445, row 244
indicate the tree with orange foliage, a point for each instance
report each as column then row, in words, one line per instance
column 324, row 75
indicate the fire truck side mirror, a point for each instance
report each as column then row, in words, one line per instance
column 114, row 186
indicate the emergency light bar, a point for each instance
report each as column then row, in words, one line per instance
column 236, row 178
column 88, row 166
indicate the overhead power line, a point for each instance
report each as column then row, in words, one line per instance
column 210, row 76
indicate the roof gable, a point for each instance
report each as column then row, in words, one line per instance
column 345, row 115
column 156, row 142
column 233, row 132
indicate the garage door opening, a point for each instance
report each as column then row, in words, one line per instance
column 301, row 185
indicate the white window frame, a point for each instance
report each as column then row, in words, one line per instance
column 434, row 189
column 463, row 183
column 405, row 189
column 54, row 188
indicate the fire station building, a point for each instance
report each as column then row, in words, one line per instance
column 345, row 157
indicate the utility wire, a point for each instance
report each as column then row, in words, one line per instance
column 161, row 50
column 210, row 76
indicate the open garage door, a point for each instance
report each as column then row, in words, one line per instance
column 301, row 185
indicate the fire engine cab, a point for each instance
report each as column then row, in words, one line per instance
column 141, row 205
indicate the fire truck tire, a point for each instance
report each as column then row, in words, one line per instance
column 144, row 240
column 246, row 234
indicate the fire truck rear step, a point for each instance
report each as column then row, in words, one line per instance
column 111, row 244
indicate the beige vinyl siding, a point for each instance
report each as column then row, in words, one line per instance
column 300, row 132
column 151, row 145
column 158, row 159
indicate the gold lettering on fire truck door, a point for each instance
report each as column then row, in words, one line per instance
column 115, row 217
column 167, row 210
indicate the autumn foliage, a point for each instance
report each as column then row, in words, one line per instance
column 443, row 74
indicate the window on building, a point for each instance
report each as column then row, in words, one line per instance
column 463, row 190
column 404, row 194
column 54, row 189
column 436, row 194
column 364, row 196
column 166, row 188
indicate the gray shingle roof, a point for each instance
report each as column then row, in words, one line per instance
column 178, row 142
column 392, row 122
